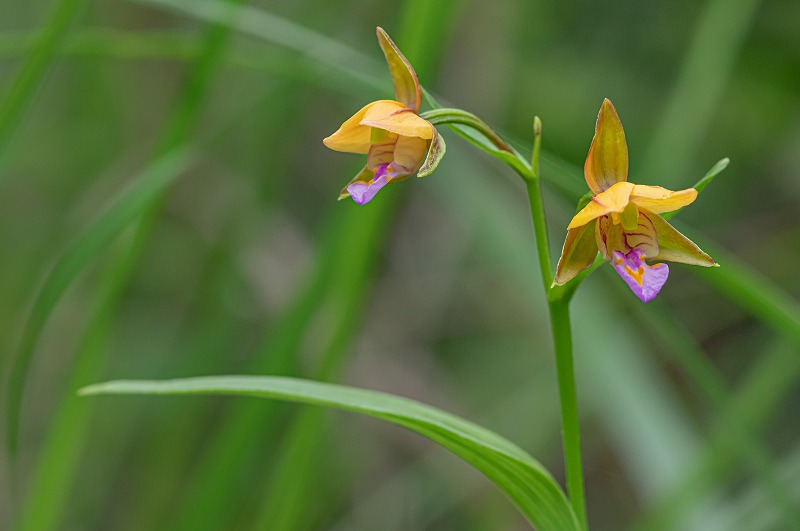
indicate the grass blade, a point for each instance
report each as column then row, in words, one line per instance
column 296, row 472
column 707, row 67
column 131, row 203
column 46, row 498
column 360, row 67
column 23, row 88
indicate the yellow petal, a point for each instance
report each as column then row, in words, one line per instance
column 382, row 149
column 409, row 152
column 616, row 237
column 657, row 199
column 354, row 137
column 643, row 237
column 404, row 122
column 615, row 199
column 406, row 84
column 578, row 253
column 628, row 218
column 674, row 246
column 607, row 162
column 610, row 237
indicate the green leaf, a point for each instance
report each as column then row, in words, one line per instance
column 713, row 172
column 523, row 479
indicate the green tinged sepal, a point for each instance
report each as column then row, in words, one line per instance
column 675, row 247
column 406, row 85
column 578, row 253
column 435, row 155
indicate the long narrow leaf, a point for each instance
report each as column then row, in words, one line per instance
column 523, row 479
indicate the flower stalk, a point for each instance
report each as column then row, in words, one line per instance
column 457, row 116
column 558, row 308
column 568, row 397
column 558, row 297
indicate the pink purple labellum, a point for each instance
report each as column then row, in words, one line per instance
column 644, row 280
column 364, row 192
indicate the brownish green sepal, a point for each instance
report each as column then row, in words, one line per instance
column 406, row 85
column 435, row 155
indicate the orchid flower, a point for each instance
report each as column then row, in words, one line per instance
column 395, row 139
column 622, row 219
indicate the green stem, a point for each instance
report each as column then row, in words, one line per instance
column 558, row 306
column 457, row 116
column 540, row 230
column 558, row 297
column 562, row 344
column 534, row 186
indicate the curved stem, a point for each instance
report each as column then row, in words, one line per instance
column 457, row 116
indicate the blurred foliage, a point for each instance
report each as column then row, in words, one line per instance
column 248, row 265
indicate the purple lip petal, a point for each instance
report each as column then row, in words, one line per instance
column 645, row 281
column 362, row 192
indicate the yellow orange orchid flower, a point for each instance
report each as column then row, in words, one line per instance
column 395, row 139
column 622, row 219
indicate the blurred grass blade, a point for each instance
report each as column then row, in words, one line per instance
column 334, row 294
column 707, row 68
column 523, row 479
column 136, row 199
column 46, row 499
column 298, row 467
column 364, row 68
column 23, row 87
column 754, row 292
column 125, row 45
column 741, row 441
column 754, row 404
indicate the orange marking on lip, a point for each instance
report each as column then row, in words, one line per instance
column 637, row 275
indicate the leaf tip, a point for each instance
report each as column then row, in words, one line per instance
column 88, row 390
